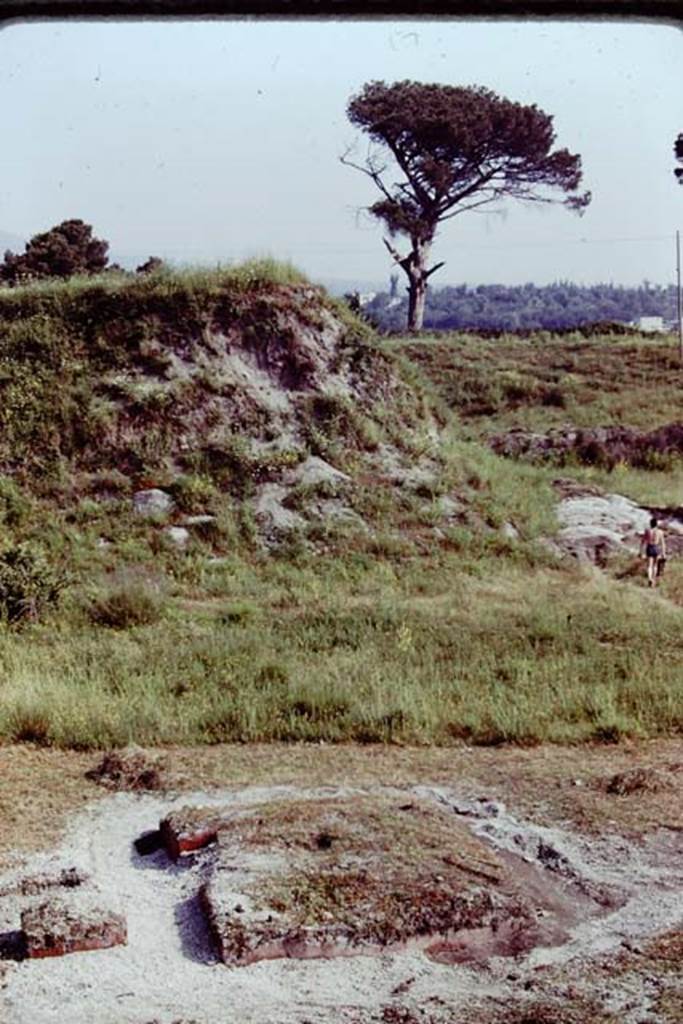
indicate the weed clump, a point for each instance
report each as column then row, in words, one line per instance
column 638, row 780
column 131, row 769
column 127, row 605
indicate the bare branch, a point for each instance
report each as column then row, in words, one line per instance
column 403, row 261
column 373, row 173
column 437, row 266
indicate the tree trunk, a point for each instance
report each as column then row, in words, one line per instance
column 417, row 295
column 416, row 269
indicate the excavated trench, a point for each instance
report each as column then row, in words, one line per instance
column 589, row 897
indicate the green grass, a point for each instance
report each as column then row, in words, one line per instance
column 167, row 283
column 331, row 650
column 546, row 381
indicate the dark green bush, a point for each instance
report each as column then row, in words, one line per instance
column 28, row 583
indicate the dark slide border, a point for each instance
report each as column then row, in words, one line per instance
column 670, row 10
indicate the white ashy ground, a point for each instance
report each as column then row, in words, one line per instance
column 168, row 971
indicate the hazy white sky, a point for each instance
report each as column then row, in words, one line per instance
column 218, row 140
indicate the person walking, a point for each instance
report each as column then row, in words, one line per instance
column 653, row 546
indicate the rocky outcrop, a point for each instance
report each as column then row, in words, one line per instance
column 273, row 518
column 592, row 526
column 595, row 525
column 601, row 446
column 314, row 471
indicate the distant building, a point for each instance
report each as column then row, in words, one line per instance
column 650, row 324
column 366, row 297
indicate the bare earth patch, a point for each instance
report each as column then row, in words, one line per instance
column 356, row 874
column 519, row 886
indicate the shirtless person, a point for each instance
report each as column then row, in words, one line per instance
column 653, row 546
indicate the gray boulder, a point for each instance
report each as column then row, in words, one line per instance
column 315, row 470
column 152, row 502
column 271, row 515
column 178, row 535
column 592, row 526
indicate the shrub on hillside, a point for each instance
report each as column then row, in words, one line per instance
column 28, row 583
column 15, row 506
column 194, row 493
column 233, row 463
column 126, row 605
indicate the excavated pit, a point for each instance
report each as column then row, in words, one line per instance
column 362, row 886
column 367, row 875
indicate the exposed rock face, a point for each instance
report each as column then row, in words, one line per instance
column 337, row 512
column 449, row 508
column 592, row 526
column 420, row 475
column 595, row 525
column 69, row 924
column 281, row 361
column 197, row 522
column 315, row 470
column 273, row 517
column 178, row 535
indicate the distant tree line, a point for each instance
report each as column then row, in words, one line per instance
column 555, row 306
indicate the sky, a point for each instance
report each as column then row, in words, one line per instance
column 215, row 141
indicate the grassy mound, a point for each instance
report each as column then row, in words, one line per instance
column 168, row 372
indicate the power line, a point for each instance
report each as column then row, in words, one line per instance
column 559, row 243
